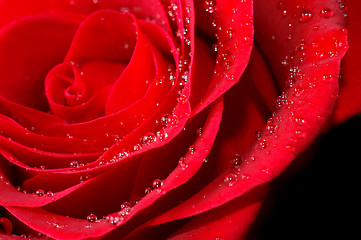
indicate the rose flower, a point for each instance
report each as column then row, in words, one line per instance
column 165, row 119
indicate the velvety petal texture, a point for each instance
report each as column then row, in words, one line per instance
column 124, row 119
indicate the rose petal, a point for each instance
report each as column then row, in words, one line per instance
column 230, row 221
column 234, row 48
column 349, row 103
column 57, row 226
column 25, row 64
column 295, row 119
column 143, row 9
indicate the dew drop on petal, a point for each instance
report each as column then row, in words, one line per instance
column 49, row 193
column 236, row 160
column 162, row 135
column 326, row 12
column 157, row 183
column 290, row 148
column 215, row 47
column 182, row 98
column 299, row 133
column 258, row 134
column 298, row 91
column 229, row 77
column 230, row 179
column 191, row 149
column 39, row 192
column 91, row 218
column 300, row 121
column 229, row 33
column 199, row 131
column 137, row 147
column 263, row 144
column 182, row 163
column 327, row 78
column 125, row 205
column 271, row 128
column 169, row 120
column 305, row 16
column 210, row 6
column 148, row 138
column 147, row 190
column 74, row 164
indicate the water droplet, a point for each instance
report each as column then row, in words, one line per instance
column 199, row 131
column 92, row 218
column 298, row 91
column 182, row 163
column 284, row 12
column 289, row 36
column 290, row 148
column 225, row 58
column 191, row 149
column 74, row 164
column 169, row 120
column 147, row 190
column 327, row 78
column 299, row 133
column 263, row 144
column 39, row 192
column 326, row 12
column 113, row 219
column 229, row 33
column 182, row 99
column 161, row 135
column 236, row 160
column 230, row 179
column 210, row 6
column 137, row 147
column 271, row 128
column 125, row 205
column 215, row 47
column 148, row 138
column 305, row 16
column 122, row 154
column 229, row 76
column 157, row 183
column 258, row 134
column 300, row 121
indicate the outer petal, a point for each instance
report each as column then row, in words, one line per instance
column 235, row 37
column 230, row 221
column 301, row 112
column 349, row 102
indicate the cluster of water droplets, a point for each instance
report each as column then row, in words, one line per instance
column 126, row 207
column 225, row 35
column 296, row 85
column 39, row 193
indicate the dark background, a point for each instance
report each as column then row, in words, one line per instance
column 317, row 197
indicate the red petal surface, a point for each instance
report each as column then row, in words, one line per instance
column 349, row 103
column 235, row 36
column 57, row 226
column 230, row 221
column 12, row 10
column 178, row 177
column 304, row 108
column 28, row 52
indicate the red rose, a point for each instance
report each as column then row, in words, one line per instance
column 117, row 122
